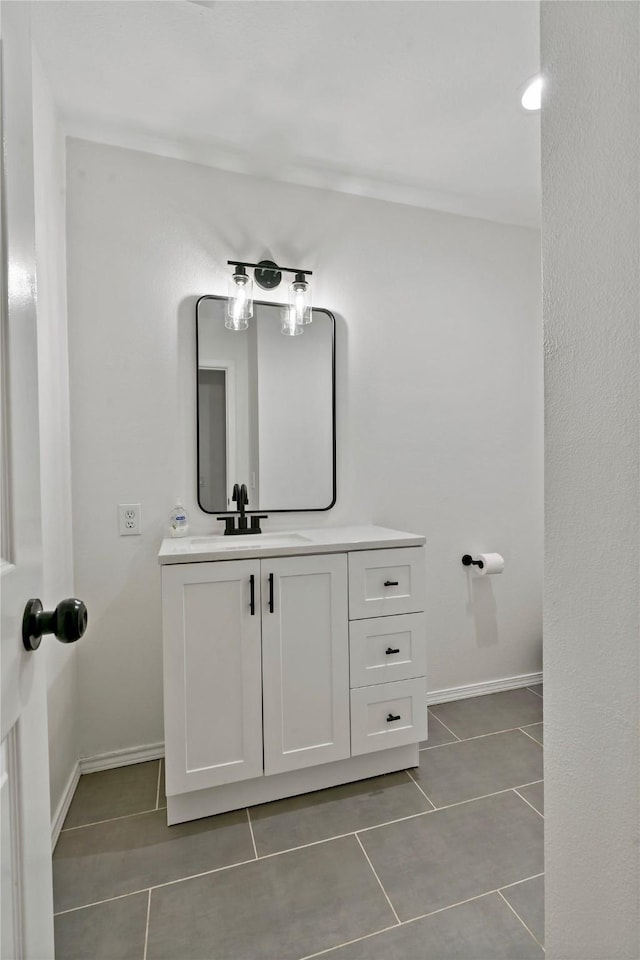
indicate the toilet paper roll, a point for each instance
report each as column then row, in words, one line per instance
column 491, row 563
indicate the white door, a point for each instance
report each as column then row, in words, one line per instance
column 212, row 670
column 305, row 661
column 26, row 893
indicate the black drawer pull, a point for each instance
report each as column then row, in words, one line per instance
column 252, row 603
column 389, row 651
column 391, row 583
column 270, row 593
column 391, row 717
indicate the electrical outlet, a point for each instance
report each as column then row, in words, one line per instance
column 129, row 519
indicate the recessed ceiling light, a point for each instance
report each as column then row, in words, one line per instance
column 532, row 96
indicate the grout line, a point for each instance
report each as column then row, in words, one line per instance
column 516, row 883
column 535, row 692
column 347, row 943
column 444, row 725
column 527, row 802
column 458, row 803
column 530, row 735
column 481, row 736
column 158, row 790
column 97, row 903
column 494, row 733
column 379, row 880
column 450, row 906
column 253, row 839
column 413, row 779
column 95, row 823
column 146, row 936
column 436, row 746
column 521, row 920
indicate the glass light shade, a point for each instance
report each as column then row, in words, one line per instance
column 300, row 300
column 289, row 326
column 240, row 301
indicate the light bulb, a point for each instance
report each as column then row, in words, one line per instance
column 532, row 97
column 240, row 301
column 300, row 300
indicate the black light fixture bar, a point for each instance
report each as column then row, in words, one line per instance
column 262, row 266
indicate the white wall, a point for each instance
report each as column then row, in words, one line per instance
column 591, row 245
column 55, row 461
column 439, row 398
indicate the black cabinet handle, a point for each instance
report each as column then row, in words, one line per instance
column 389, row 651
column 391, row 717
column 270, row 593
column 252, row 603
column 391, row 583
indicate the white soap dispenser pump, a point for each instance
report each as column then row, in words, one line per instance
column 179, row 520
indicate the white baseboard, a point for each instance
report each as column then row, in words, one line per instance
column 64, row 804
column 480, row 689
column 121, row 758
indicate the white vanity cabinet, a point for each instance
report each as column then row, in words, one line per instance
column 292, row 669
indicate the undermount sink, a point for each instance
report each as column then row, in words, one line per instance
column 249, row 541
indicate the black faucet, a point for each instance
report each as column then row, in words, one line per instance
column 241, row 498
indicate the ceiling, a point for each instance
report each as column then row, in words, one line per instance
column 415, row 102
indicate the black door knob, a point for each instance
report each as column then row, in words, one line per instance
column 67, row 622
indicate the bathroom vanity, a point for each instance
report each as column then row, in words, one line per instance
column 292, row 662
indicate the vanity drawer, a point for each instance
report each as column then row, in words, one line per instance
column 387, row 648
column 386, row 582
column 371, row 708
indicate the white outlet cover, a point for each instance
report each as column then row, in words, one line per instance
column 129, row 519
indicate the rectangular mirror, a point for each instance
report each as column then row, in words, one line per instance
column 266, row 410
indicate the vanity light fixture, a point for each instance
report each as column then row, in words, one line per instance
column 268, row 275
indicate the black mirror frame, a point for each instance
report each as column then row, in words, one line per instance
column 269, row 303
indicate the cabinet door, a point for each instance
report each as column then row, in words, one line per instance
column 305, row 661
column 212, row 673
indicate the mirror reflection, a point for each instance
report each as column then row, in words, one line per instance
column 266, row 413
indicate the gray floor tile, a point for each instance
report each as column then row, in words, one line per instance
column 484, row 929
column 495, row 711
column 535, row 795
column 537, row 688
column 474, row 768
column 450, row 855
column 114, row 930
column 107, row 859
column 114, row 793
column 536, row 730
column 527, row 899
column 437, row 733
column 330, row 813
column 282, row 907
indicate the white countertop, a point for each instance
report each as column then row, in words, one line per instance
column 283, row 543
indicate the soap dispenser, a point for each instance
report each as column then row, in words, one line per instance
column 178, row 521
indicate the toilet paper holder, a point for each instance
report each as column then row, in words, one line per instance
column 468, row 561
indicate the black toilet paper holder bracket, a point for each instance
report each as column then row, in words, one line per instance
column 468, row 561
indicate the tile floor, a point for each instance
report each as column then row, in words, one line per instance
column 444, row 861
